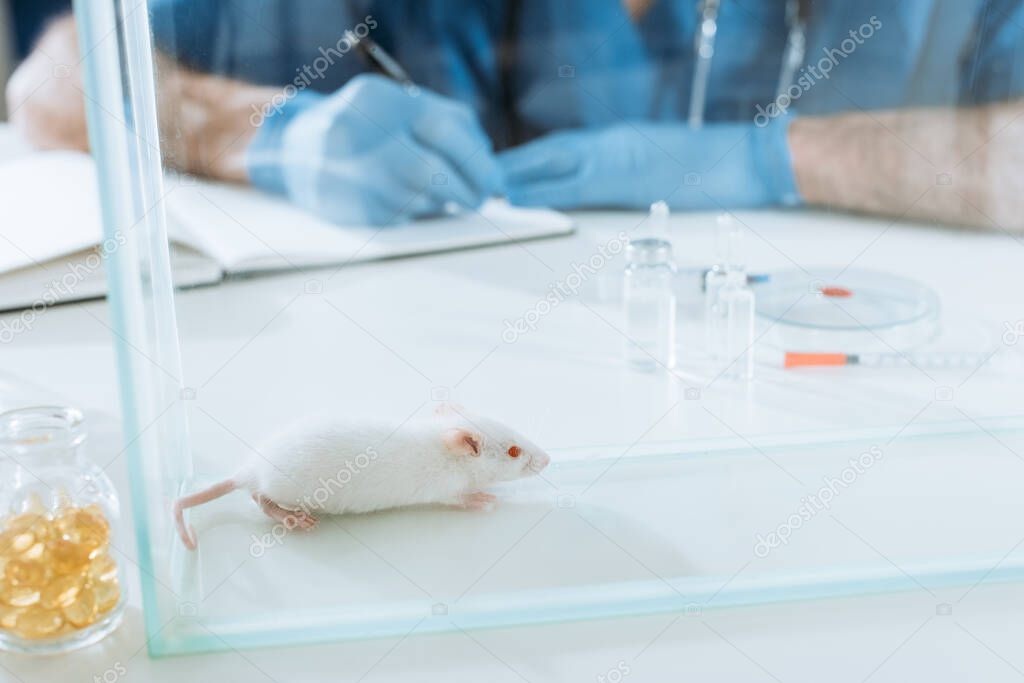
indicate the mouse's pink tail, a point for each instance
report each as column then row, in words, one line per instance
column 187, row 533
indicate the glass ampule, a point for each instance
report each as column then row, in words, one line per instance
column 736, row 300
column 727, row 250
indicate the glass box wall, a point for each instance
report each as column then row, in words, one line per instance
column 469, row 410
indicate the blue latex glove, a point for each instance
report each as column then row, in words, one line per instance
column 374, row 153
column 634, row 165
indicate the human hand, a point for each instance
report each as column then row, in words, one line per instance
column 374, row 152
column 634, row 165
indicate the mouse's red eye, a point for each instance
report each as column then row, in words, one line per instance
column 514, row 451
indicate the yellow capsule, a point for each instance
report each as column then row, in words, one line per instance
column 99, row 550
column 96, row 511
column 36, row 523
column 38, row 623
column 34, row 551
column 107, row 595
column 93, row 537
column 22, row 573
column 82, row 610
column 22, row 532
column 20, row 596
column 15, row 542
column 9, row 615
column 64, row 527
column 103, row 569
column 85, row 529
column 67, row 557
column 60, row 592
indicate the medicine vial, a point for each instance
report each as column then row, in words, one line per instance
column 649, row 298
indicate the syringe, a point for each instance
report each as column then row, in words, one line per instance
column 919, row 359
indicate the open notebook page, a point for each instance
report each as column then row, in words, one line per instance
column 247, row 231
column 51, row 208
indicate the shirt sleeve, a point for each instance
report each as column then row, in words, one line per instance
column 992, row 68
column 184, row 29
column 268, row 42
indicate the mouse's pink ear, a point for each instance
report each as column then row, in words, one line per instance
column 461, row 441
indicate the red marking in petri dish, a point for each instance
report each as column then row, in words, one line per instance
column 837, row 292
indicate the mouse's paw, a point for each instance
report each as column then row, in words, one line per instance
column 300, row 519
column 291, row 519
column 478, row 500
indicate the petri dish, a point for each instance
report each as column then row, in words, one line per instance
column 851, row 311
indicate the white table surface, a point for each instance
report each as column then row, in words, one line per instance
column 68, row 354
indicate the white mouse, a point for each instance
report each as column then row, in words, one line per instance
column 338, row 466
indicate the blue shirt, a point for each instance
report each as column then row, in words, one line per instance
column 585, row 63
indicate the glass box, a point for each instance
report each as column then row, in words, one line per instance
column 675, row 490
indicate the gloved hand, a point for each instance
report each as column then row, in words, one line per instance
column 634, row 165
column 374, row 153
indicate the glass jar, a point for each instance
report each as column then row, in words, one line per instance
column 60, row 586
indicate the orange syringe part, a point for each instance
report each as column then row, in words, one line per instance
column 807, row 360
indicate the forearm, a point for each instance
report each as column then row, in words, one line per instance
column 947, row 165
column 205, row 121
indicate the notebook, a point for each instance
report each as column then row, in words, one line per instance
column 51, row 232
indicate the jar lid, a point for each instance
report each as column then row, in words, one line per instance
column 40, row 428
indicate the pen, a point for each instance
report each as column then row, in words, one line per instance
column 379, row 58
